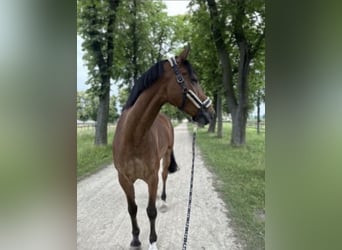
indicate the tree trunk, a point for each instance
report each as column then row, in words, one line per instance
column 237, row 101
column 105, row 68
column 240, row 114
column 212, row 125
column 101, row 137
column 219, row 116
column 227, row 77
column 258, row 113
column 239, row 120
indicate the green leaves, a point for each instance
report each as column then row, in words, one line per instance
column 95, row 25
column 87, row 104
column 143, row 35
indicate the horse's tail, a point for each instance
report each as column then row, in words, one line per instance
column 173, row 167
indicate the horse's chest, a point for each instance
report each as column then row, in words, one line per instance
column 139, row 168
column 138, row 162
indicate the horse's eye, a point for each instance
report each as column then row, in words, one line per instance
column 193, row 81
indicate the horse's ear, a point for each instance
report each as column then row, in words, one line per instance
column 184, row 54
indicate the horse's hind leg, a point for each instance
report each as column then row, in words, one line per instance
column 132, row 208
column 166, row 164
column 169, row 166
column 152, row 210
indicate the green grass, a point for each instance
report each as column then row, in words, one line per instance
column 91, row 158
column 241, row 181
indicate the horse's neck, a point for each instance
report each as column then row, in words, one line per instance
column 143, row 113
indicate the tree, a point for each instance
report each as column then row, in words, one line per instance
column 87, row 106
column 257, row 81
column 204, row 56
column 81, row 114
column 96, row 20
column 245, row 21
column 144, row 34
column 140, row 35
column 113, row 112
column 173, row 112
column 123, row 96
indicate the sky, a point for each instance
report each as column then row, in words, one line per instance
column 176, row 7
column 81, row 68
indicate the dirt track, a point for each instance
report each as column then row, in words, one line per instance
column 103, row 221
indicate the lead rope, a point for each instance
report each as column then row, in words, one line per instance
column 186, row 230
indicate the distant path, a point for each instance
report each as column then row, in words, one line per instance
column 103, row 221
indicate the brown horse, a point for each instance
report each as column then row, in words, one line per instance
column 144, row 136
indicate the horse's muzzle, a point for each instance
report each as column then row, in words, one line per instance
column 203, row 117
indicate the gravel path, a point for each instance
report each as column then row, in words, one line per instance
column 103, row 221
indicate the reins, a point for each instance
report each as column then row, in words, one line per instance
column 186, row 230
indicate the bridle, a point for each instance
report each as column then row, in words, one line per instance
column 188, row 93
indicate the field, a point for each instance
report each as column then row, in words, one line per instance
column 91, row 158
column 240, row 180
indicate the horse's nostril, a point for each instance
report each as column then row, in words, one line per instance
column 202, row 117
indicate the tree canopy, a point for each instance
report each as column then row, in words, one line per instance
column 122, row 39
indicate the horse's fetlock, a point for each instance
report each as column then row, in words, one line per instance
column 135, row 232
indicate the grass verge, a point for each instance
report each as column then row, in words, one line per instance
column 91, row 158
column 241, row 181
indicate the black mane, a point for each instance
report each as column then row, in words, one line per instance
column 144, row 82
column 190, row 70
column 149, row 77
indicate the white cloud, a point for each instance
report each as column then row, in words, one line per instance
column 176, row 7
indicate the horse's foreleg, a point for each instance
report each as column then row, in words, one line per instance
column 152, row 210
column 132, row 209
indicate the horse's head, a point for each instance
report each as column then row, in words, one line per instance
column 184, row 90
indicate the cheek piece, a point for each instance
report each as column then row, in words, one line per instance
column 202, row 116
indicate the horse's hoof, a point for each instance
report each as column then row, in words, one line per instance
column 163, row 207
column 135, row 248
column 135, row 245
column 153, row 246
